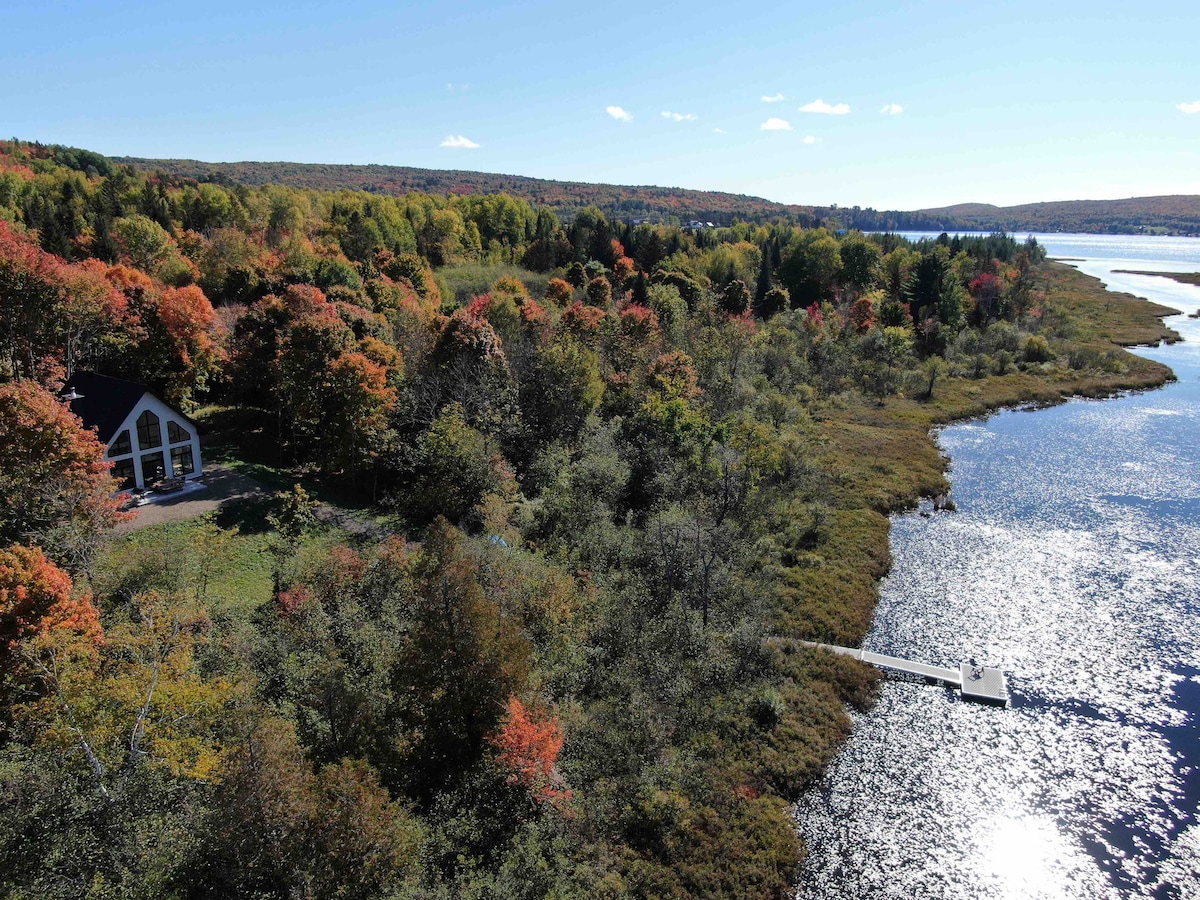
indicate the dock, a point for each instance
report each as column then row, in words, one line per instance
column 982, row 684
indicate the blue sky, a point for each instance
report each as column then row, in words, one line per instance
column 1002, row 103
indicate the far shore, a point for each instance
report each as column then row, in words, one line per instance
column 1181, row 277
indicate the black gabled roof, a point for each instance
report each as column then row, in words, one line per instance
column 106, row 402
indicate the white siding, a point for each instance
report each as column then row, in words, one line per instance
column 165, row 415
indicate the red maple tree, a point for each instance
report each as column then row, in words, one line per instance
column 529, row 743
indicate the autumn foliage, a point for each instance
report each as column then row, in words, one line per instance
column 528, row 744
column 53, row 475
column 37, row 597
column 54, row 316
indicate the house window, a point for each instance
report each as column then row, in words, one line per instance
column 123, row 471
column 154, row 468
column 181, row 461
column 149, row 433
column 175, row 434
column 121, row 446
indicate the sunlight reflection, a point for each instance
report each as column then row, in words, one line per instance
column 1029, row 858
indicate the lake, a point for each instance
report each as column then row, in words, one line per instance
column 1073, row 563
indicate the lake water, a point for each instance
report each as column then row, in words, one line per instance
column 1073, row 563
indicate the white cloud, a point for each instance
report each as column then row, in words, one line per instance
column 459, row 142
column 718, row 130
column 680, row 117
column 619, row 114
column 1189, row 108
column 820, row 106
column 773, row 99
column 809, row 139
column 775, row 125
column 457, row 88
column 892, row 109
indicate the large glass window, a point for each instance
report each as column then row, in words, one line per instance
column 181, row 461
column 123, row 472
column 121, row 446
column 149, row 433
column 175, row 434
column 154, row 468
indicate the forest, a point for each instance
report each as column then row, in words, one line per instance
column 1174, row 214
column 593, row 482
column 564, row 198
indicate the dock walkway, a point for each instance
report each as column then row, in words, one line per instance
column 983, row 684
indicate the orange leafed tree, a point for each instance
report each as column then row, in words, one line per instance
column 37, row 597
column 558, row 292
column 54, row 316
column 53, row 477
column 529, row 743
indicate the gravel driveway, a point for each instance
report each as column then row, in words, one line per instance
column 220, row 485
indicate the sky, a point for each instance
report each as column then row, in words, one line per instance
column 881, row 104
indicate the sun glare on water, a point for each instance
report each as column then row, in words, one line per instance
column 1029, row 858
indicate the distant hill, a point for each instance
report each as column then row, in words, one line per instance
column 1174, row 214
column 564, row 197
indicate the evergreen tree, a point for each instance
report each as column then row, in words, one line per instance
column 764, row 275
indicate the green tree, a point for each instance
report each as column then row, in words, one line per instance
column 861, row 263
column 294, row 515
column 811, row 267
column 599, row 292
column 735, row 299
column 463, row 661
column 143, row 242
column 563, row 390
column 454, row 468
column 763, row 284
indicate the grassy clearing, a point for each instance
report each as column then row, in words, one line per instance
column 883, row 458
column 223, row 559
column 463, row 282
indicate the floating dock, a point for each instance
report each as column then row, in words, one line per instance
column 983, row 684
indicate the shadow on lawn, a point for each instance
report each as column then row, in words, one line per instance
column 246, row 514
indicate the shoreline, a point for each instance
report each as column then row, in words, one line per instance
column 1181, row 277
column 1192, row 278
column 885, row 460
column 811, row 819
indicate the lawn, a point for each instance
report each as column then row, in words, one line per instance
column 224, row 559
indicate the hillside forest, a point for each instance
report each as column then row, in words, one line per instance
column 1173, row 214
column 609, row 475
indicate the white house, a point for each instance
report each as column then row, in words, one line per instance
column 147, row 439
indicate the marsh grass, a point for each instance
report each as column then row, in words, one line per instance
column 1181, row 277
column 883, row 458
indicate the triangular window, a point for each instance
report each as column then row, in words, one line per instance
column 121, row 446
column 176, row 434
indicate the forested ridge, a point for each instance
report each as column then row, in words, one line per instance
column 565, row 198
column 1174, row 214
column 611, row 474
